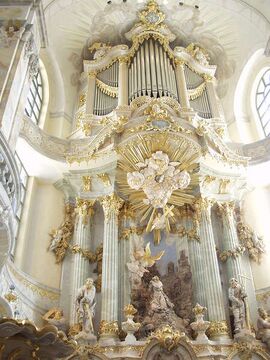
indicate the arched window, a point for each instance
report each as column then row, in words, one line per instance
column 34, row 99
column 263, row 102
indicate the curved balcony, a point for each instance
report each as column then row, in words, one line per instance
column 9, row 198
column 9, row 177
column 258, row 151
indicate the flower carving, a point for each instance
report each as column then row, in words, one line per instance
column 158, row 178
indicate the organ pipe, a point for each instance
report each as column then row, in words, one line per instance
column 193, row 80
column 151, row 72
column 132, row 82
column 129, row 80
column 158, row 66
column 148, row 77
column 202, row 105
column 163, row 80
column 166, row 73
column 143, row 71
column 139, row 87
column 153, row 69
column 103, row 103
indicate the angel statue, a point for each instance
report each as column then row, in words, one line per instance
column 263, row 326
column 56, row 237
column 85, row 308
column 158, row 177
column 161, row 222
column 141, row 259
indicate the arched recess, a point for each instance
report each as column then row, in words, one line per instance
column 56, row 120
column 5, row 309
column 247, row 119
column 155, row 352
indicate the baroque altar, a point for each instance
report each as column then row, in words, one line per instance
column 154, row 248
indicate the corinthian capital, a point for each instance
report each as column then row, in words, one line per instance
column 84, row 209
column 203, row 206
column 226, row 208
column 111, row 205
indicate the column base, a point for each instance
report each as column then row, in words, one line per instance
column 108, row 331
column 218, row 330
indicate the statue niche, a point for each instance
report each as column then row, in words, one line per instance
column 182, row 352
column 164, row 300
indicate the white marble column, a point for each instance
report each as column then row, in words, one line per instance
column 211, row 92
column 123, row 82
column 182, row 85
column 109, row 291
column 81, row 239
column 196, row 262
column 90, row 97
column 230, row 240
column 211, row 274
column 124, row 257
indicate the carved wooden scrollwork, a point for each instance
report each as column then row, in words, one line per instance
column 183, row 352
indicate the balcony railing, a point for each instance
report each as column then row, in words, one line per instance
column 9, row 175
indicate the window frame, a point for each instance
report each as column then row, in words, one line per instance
column 34, row 100
column 266, row 100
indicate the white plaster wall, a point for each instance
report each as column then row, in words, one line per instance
column 257, row 210
column 246, row 127
column 43, row 212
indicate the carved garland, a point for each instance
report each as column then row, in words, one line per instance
column 252, row 243
column 107, row 89
column 234, row 253
column 195, row 93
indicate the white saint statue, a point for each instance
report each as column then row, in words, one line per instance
column 85, row 306
column 160, row 301
column 237, row 297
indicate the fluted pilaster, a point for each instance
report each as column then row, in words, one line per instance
column 211, row 279
column 182, row 85
column 230, row 241
column 82, row 239
column 109, row 306
column 90, row 98
column 123, row 82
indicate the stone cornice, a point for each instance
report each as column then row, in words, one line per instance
column 50, row 146
column 258, row 151
column 56, row 148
